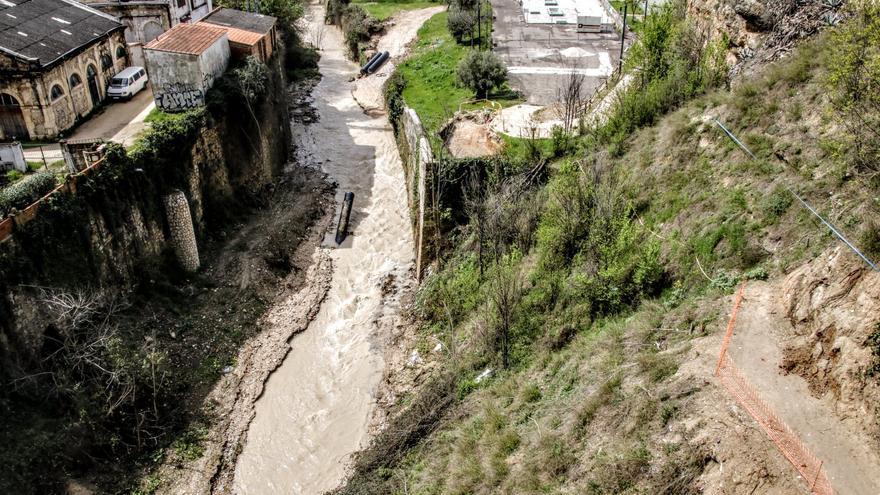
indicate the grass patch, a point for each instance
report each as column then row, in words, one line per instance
column 157, row 115
column 431, row 88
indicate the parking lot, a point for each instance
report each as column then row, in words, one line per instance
column 540, row 56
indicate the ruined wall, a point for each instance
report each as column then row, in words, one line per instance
column 114, row 230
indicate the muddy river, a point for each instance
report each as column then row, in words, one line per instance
column 316, row 408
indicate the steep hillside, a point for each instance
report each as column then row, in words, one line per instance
column 567, row 341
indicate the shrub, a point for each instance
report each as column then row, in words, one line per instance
column 461, row 23
column 676, row 63
column 335, row 10
column 481, row 72
column 286, row 11
column 854, row 75
column 357, row 26
column 25, row 192
column 870, row 240
column 13, row 175
column 394, row 97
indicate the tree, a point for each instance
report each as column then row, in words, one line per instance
column 475, row 197
column 571, row 97
column 481, row 72
column 854, row 77
column 461, row 23
column 251, row 80
column 506, row 292
column 286, row 11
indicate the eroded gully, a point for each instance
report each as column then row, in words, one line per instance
column 316, row 407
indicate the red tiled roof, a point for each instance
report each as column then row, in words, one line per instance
column 192, row 39
column 241, row 36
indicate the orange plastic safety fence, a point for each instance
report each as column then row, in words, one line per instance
column 785, row 439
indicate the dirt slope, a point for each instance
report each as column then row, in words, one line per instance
column 757, row 347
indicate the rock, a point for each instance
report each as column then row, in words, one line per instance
column 756, row 14
column 414, row 358
column 487, row 373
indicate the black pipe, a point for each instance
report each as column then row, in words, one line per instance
column 372, row 59
column 377, row 63
column 344, row 218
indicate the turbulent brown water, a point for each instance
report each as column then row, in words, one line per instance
column 316, row 408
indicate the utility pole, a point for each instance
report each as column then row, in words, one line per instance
column 45, row 164
column 622, row 40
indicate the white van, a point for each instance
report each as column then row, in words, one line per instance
column 127, row 83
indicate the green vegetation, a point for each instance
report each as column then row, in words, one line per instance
column 13, row 175
column 355, row 22
column 431, row 88
column 854, row 79
column 286, row 11
column 384, row 10
column 580, row 284
column 481, row 72
column 118, row 386
column 675, row 65
column 157, row 115
column 25, row 191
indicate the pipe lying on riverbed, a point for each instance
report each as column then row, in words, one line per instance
column 344, row 218
column 374, row 66
column 372, row 59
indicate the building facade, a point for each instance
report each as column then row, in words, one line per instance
column 56, row 60
column 145, row 20
column 183, row 64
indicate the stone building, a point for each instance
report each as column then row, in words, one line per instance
column 56, row 60
column 183, row 64
column 145, row 20
column 249, row 33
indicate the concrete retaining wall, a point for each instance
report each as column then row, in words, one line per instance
column 417, row 155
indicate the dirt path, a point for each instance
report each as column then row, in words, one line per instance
column 367, row 91
column 852, row 466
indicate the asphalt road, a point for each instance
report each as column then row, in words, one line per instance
column 539, row 57
column 118, row 121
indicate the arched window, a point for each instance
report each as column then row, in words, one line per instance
column 106, row 61
column 8, row 100
column 75, row 80
column 56, row 92
column 121, row 53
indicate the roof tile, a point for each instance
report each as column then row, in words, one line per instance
column 192, row 39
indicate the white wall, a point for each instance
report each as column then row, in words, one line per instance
column 181, row 81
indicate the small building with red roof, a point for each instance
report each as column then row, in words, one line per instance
column 249, row 33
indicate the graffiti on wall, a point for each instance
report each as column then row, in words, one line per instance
column 173, row 97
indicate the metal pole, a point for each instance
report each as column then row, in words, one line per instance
column 622, row 40
column 803, row 202
column 45, row 165
column 645, row 18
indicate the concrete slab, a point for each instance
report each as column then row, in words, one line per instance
column 540, row 56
